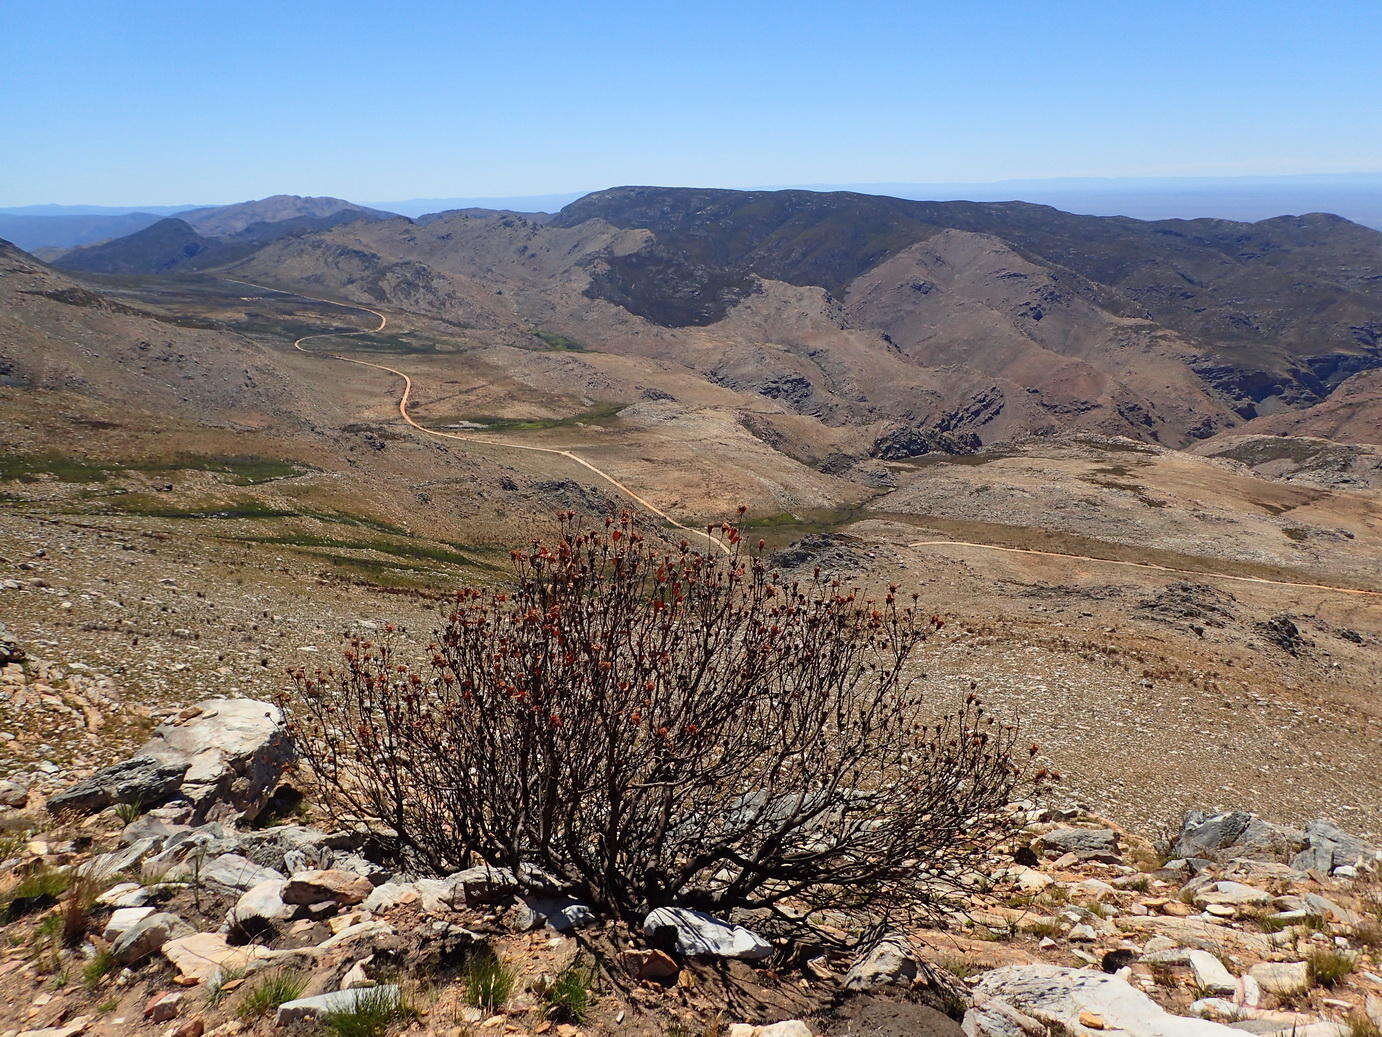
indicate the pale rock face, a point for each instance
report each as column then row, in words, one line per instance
column 200, row 957
column 222, row 757
column 315, row 887
column 790, row 1028
column 336, row 1001
column 694, row 934
column 1283, row 978
column 890, row 960
column 259, row 908
column 1023, row 999
column 123, row 920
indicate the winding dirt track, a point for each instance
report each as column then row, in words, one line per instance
column 406, row 397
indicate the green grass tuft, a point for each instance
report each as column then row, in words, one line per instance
column 375, row 1011
column 1328, row 966
column 487, row 981
column 569, row 997
column 272, row 990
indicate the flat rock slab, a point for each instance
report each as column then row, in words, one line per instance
column 1283, row 978
column 1192, row 932
column 1080, row 840
column 336, row 1001
column 202, row 956
column 1020, row 999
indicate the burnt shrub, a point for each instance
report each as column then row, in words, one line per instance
column 643, row 727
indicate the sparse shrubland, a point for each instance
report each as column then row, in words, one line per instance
column 651, row 728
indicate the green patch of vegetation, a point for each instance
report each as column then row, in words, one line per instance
column 242, row 471
column 400, row 344
column 569, row 997
column 153, row 507
column 1043, row 927
column 561, row 342
column 408, row 551
column 272, row 990
column 97, row 969
column 38, row 890
column 601, row 414
column 487, row 981
column 374, row 1012
column 1328, row 966
column 959, row 967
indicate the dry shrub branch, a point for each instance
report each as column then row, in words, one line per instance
column 649, row 728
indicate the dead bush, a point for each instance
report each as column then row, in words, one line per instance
column 646, row 728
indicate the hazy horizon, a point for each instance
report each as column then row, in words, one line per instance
column 1355, row 196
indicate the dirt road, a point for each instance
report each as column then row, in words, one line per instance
column 642, row 501
column 406, row 397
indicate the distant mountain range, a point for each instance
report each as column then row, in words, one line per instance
column 891, row 326
column 1355, row 196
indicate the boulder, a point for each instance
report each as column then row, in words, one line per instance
column 222, row 757
column 11, row 651
column 1235, row 833
column 887, row 960
column 148, row 935
column 1329, row 847
column 697, row 934
column 1283, row 978
column 259, row 909
column 140, row 779
column 389, row 895
column 789, row 1028
column 315, row 887
column 310, row 1008
column 122, row 920
column 290, row 848
column 230, row 872
column 163, row 1007
column 13, row 794
column 559, row 913
column 1019, row 1000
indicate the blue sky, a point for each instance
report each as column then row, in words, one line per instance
column 126, row 102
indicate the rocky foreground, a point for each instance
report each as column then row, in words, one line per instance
column 188, row 891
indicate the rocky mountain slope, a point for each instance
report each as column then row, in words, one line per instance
column 214, row 236
column 191, row 887
column 994, row 320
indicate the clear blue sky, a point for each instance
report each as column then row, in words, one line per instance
column 128, row 101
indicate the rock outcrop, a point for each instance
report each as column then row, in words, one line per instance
column 221, row 758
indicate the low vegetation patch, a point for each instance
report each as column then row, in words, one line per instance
column 677, row 730
column 375, row 1011
column 268, row 992
column 568, row 998
column 487, row 980
column 1328, row 966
